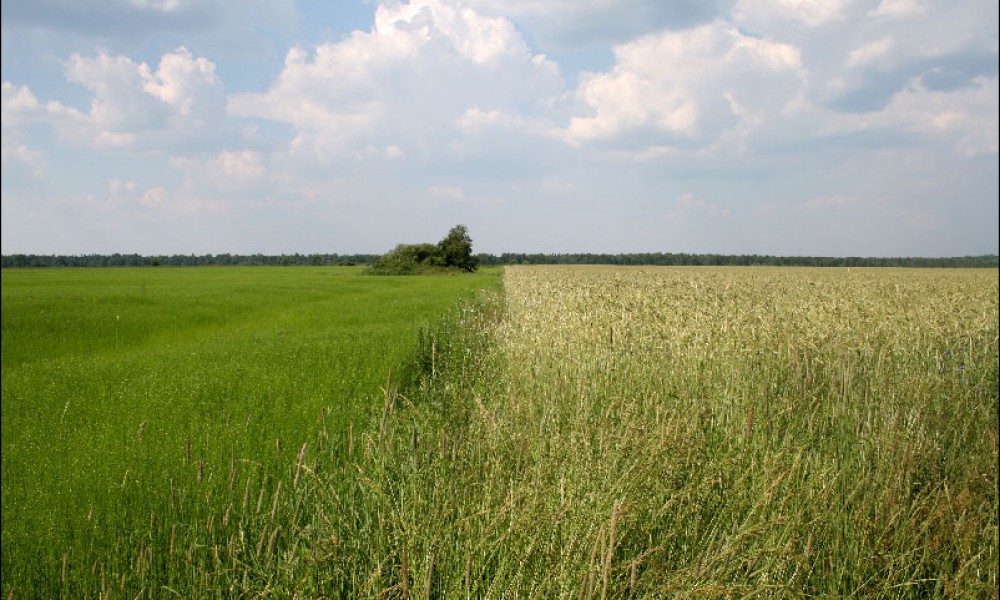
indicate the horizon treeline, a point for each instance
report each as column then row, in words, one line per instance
column 506, row 258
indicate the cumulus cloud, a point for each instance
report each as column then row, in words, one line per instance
column 418, row 70
column 126, row 196
column 187, row 84
column 227, row 171
column 118, row 186
column 182, row 97
column 689, row 85
column 18, row 108
column 870, row 52
column 178, row 104
column 153, row 196
column 965, row 119
column 474, row 120
column 19, row 104
column 21, row 108
column 133, row 106
column 859, row 54
column 22, row 154
column 244, row 165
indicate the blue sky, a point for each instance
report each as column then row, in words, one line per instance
column 786, row 127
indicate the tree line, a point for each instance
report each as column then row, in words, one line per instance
column 181, row 260
column 506, row 258
column 741, row 260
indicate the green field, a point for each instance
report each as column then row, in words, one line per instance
column 579, row 432
column 150, row 415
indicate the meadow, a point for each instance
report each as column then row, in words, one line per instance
column 579, row 432
column 153, row 418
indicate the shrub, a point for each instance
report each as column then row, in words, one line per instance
column 452, row 253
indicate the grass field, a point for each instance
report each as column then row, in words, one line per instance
column 153, row 418
column 583, row 432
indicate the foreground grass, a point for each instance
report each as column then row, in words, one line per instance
column 162, row 428
column 622, row 433
column 617, row 433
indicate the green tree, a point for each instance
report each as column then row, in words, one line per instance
column 456, row 249
column 453, row 253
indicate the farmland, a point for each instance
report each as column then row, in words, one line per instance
column 142, row 408
column 581, row 432
column 695, row 432
column 779, row 432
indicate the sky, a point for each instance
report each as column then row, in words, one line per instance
column 779, row 127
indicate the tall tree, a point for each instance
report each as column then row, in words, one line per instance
column 457, row 249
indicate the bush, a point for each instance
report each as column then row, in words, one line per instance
column 453, row 253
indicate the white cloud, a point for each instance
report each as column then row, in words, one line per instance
column 180, row 99
column 129, row 195
column 646, row 154
column 132, row 106
column 118, row 186
column 966, row 118
column 157, row 5
column 154, row 196
column 899, row 9
column 475, row 120
column 120, row 102
column 21, row 107
column 186, row 83
column 20, row 153
column 228, row 171
column 18, row 104
column 481, row 39
column 445, row 192
column 692, row 84
column 412, row 77
column 811, row 13
column 18, row 108
column 244, row 165
column 871, row 52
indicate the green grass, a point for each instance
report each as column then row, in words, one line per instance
column 154, row 419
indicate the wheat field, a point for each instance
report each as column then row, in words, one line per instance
column 694, row 432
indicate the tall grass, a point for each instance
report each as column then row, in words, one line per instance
column 163, row 429
column 621, row 433
column 608, row 433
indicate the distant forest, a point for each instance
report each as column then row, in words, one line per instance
column 507, row 258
